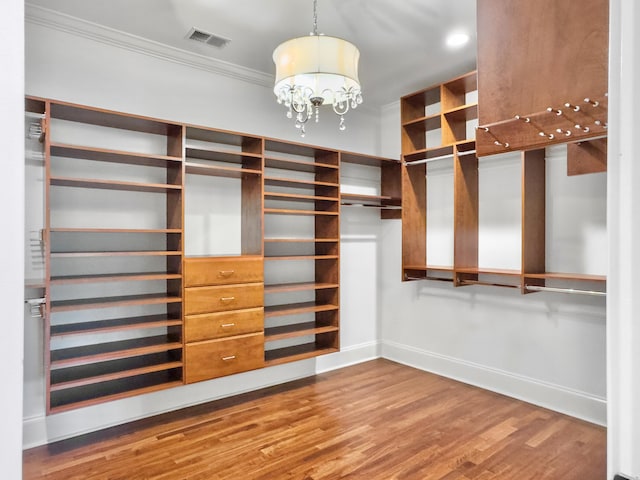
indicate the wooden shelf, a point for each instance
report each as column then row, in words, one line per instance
column 283, row 211
column 89, row 354
column 295, row 197
column 295, row 353
column 137, row 253
column 72, row 402
column 114, row 185
column 297, row 165
column 110, row 118
column 116, row 230
column 218, row 171
column 113, row 156
column 580, row 277
column 297, row 308
column 289, row 182
column 119, row 277
column 301, row 240
column 296, row 330
column 297, row 287
column 303, row 257
column 274, row 148
column 380, row 201
column 426, row 123
column 463, row 113
column 428, row 153
column 490, row 271
column 367, row 160
column 220, row 155
column 114, row 325
column 424, row 268
column 108, row 302
column 249, row 145
column 95, row 374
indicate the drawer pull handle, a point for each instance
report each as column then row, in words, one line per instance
column 226, row 273
column 227, row 299
column 230, row 357
column 228, row 325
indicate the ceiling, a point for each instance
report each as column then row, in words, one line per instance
column 402, row 42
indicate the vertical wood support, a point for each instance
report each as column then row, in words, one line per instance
column 533, row 216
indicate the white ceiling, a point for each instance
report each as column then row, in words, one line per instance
column 402, row 42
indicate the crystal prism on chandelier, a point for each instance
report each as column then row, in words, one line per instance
column 316, row 70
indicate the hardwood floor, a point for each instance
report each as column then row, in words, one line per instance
column 376, row 420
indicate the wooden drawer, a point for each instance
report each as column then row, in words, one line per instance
column 222, row 271
column 224, row 298
column 217, row 358
column 225, row 324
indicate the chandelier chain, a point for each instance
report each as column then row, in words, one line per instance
column 315, row 17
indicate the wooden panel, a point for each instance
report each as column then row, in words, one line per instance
column 565, row 39
column 391, row 186
column 200, row 271
column 252, row 217
column 587, row 157
column 414, row 215
column 222, row 298
column 465, row 201
column 217, row 358
column 533, row 211
column 219, row 325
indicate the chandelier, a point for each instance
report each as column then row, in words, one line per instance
column 316, row 70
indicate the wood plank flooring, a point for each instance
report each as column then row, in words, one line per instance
column 377, row 421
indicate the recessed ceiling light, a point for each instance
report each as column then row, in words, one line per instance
column 457, row 39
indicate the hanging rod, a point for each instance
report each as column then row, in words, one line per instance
column 441, row 157
column 436, row 279
column 537, row 288
column 487, row 284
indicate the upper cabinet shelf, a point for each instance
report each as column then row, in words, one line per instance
column 439, row 116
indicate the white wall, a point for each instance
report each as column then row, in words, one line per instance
column 623, row 307
column 12, row 197
column 548, row 349
column 64, row 63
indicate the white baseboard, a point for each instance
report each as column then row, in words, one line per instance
column 41, row 429
column 348, row 356
column 554, row 397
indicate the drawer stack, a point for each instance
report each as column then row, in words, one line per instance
column 224, row 316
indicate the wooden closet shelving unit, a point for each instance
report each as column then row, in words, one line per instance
column 436, row 125
column 91, row 356
column 126, row 310
column 302, row 181
column 447, row 128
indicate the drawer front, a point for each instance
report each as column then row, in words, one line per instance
column 222, row 271
column 217, row 358
column 220, row 299
column 225, row 324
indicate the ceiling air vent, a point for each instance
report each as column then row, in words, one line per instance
column 201, row 36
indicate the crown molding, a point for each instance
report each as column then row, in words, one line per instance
column 45, row 17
